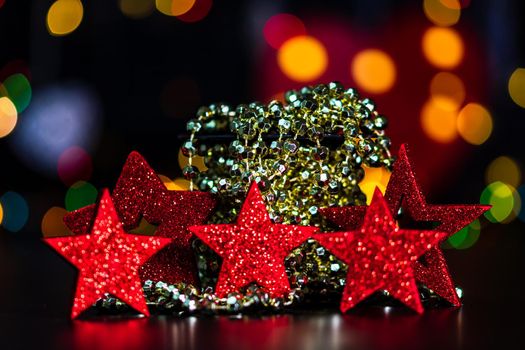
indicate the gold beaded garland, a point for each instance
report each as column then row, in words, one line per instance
column 305, row 154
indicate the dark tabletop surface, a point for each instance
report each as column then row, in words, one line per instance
column 36, row 289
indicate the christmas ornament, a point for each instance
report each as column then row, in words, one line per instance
column 140, row 194
column 380, row 256
column 108, row 260
column 253, row 249
column 403, row 191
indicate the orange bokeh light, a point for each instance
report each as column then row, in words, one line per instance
column 53, row 223
column 174, row 7
column 302, row 58
column 474, row 123
column 442, row 12
column 8, row 116
column 443, row 47
column 447, row 91
column 374, row 71
column 439, row 124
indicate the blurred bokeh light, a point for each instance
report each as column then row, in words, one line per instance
column 281, row 27
column 438, row 123
column 58, row 118
column 303, row 58
column 197, row 12
column 373, row 71
column 442, row 12
column 53, row 223
column 15, row 211
column 443, row 47
column 8, row 116
column 174, row 7
column 447, row 90
column 504, row 169
column 79, row 195
column 197, row 161
column 137, row 8
column 474, row 123
column 466, row 237
column 18, row 90
column 74, row 164
column 517, row 87
column 503, row 198
column 374, row 178
column 64, row 16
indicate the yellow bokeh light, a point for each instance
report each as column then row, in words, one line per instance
column 181, row 184
column 474, row 123
column 453, row 4
column 1, row 213
column 174, row 7
column 374, row 71
column 447, row 91
column 197, row 161
column 517, row 87
column 137, row 8
column 442, row 14
column 439, row 124
column 178, row 184
column 369, row 187
column 504, row 169
column 374, row 177
column 64, row 16
column 302, row 58
column 53, row 223
column 3, row 90
column 170, row 185
column 504, row 200
column 8, row 116
column 443, row 47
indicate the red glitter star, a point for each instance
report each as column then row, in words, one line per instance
column 403, row 188
column 380, row 256
column 140, row 193
column 253, row 249
column 108, row 260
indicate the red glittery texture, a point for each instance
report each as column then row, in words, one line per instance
column 108, row 260
column 380, row 256
column 253, row 249
column 140, row 193
column 403, row 189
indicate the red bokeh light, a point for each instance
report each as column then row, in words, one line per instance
column 74, row 164
column 282, row 27
column 197, row 12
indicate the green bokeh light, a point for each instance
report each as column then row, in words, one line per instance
column 79, row 195
column 501, row 197
column 18, row 89
column 466, row 237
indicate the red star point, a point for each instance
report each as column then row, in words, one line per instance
column 108, row 260
column 380, row 256
column 140, row 193
column 253, row 249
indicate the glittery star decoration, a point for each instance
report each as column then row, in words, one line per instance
column 141, row 195
column 108, row 260
column 404, row 190
column 380, row 256
column 254, row 248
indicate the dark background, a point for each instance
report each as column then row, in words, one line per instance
column 147, row 76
